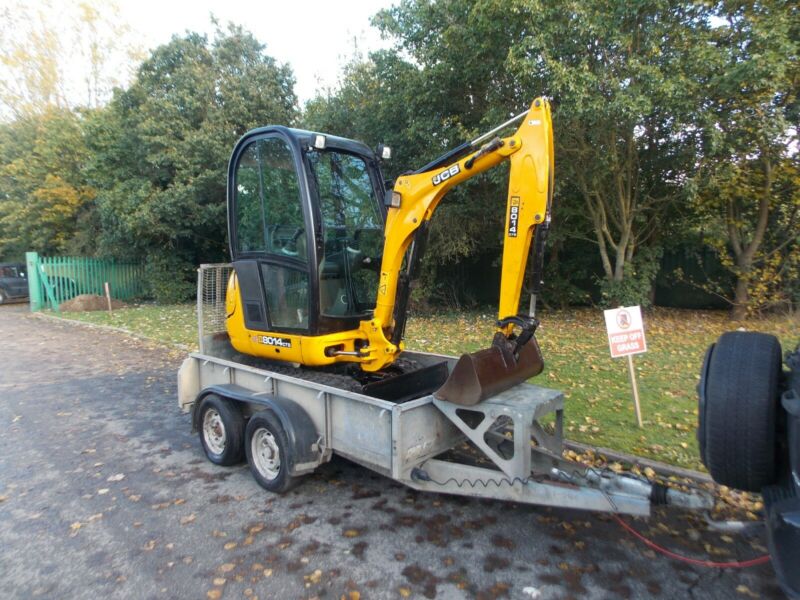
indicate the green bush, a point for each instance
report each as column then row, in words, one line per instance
column 170, row 279
column 637, row 286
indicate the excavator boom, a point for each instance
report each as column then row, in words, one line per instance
column 511, row 359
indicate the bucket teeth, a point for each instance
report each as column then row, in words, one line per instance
column 488, row 372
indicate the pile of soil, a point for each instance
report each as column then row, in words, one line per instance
column 86, row 302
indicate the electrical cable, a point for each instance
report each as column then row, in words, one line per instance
column 759, row 560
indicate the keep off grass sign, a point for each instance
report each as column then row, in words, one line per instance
column 625, row 331
column 626, row 338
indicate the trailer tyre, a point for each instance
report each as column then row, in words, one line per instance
column 221, row 427
column 268, row 453
column 738, row 409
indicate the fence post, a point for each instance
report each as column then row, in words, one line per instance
column 34, row 283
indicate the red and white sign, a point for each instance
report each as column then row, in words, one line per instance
column 625, row 331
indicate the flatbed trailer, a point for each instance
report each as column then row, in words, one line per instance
column 499, row 448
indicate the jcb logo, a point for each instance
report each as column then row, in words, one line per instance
column 446, row 174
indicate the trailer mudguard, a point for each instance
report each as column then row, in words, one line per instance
column 300, row 430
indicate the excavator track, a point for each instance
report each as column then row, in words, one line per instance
column 334, row 377
column 405, row 380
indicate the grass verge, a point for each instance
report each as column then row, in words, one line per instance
column 599, row 407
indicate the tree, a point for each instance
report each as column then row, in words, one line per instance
column 423, row 98
column 620, row 75
column 748, row 185
column 45, row 49
column 161, row 148
column 42, row 191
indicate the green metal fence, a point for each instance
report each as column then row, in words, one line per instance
column 53, row 280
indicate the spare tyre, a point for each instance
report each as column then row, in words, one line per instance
column 739, row 394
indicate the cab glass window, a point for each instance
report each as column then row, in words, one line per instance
column 269, row 217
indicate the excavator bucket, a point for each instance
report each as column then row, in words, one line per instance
column 488, row 372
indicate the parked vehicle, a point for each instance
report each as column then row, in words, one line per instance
column 749, row 434
column 13, row 282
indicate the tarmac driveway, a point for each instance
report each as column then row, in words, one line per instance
column 105, row 493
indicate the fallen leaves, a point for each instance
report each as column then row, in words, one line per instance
column 256, row 528
column 188, row 519
column 313, row 578
column 746, row 591
column 117, row 477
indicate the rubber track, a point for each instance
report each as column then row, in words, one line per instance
column 329, row 377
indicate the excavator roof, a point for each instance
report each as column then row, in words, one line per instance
column 305, row 139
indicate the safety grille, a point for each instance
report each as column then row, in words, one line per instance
column 212, row 281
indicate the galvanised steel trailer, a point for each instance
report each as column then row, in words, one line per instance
column 289, row 420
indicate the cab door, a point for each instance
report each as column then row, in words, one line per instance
column 269, row 236
column 352, row 236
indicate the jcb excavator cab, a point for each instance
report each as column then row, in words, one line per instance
column 305, row 227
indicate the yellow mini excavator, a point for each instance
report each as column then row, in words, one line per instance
column 324, row 253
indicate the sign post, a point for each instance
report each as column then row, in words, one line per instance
column 626, row 338
column 108, row 297
column 635, row 387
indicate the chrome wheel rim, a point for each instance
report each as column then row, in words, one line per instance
column 214, row 431
column 266, row 454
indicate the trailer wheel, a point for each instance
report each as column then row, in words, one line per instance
column 268, row 453
column 221, row 428
column 738, row 409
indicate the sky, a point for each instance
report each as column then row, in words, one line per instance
column 315, row 37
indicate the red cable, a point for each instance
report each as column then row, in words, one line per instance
column 692, row 561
